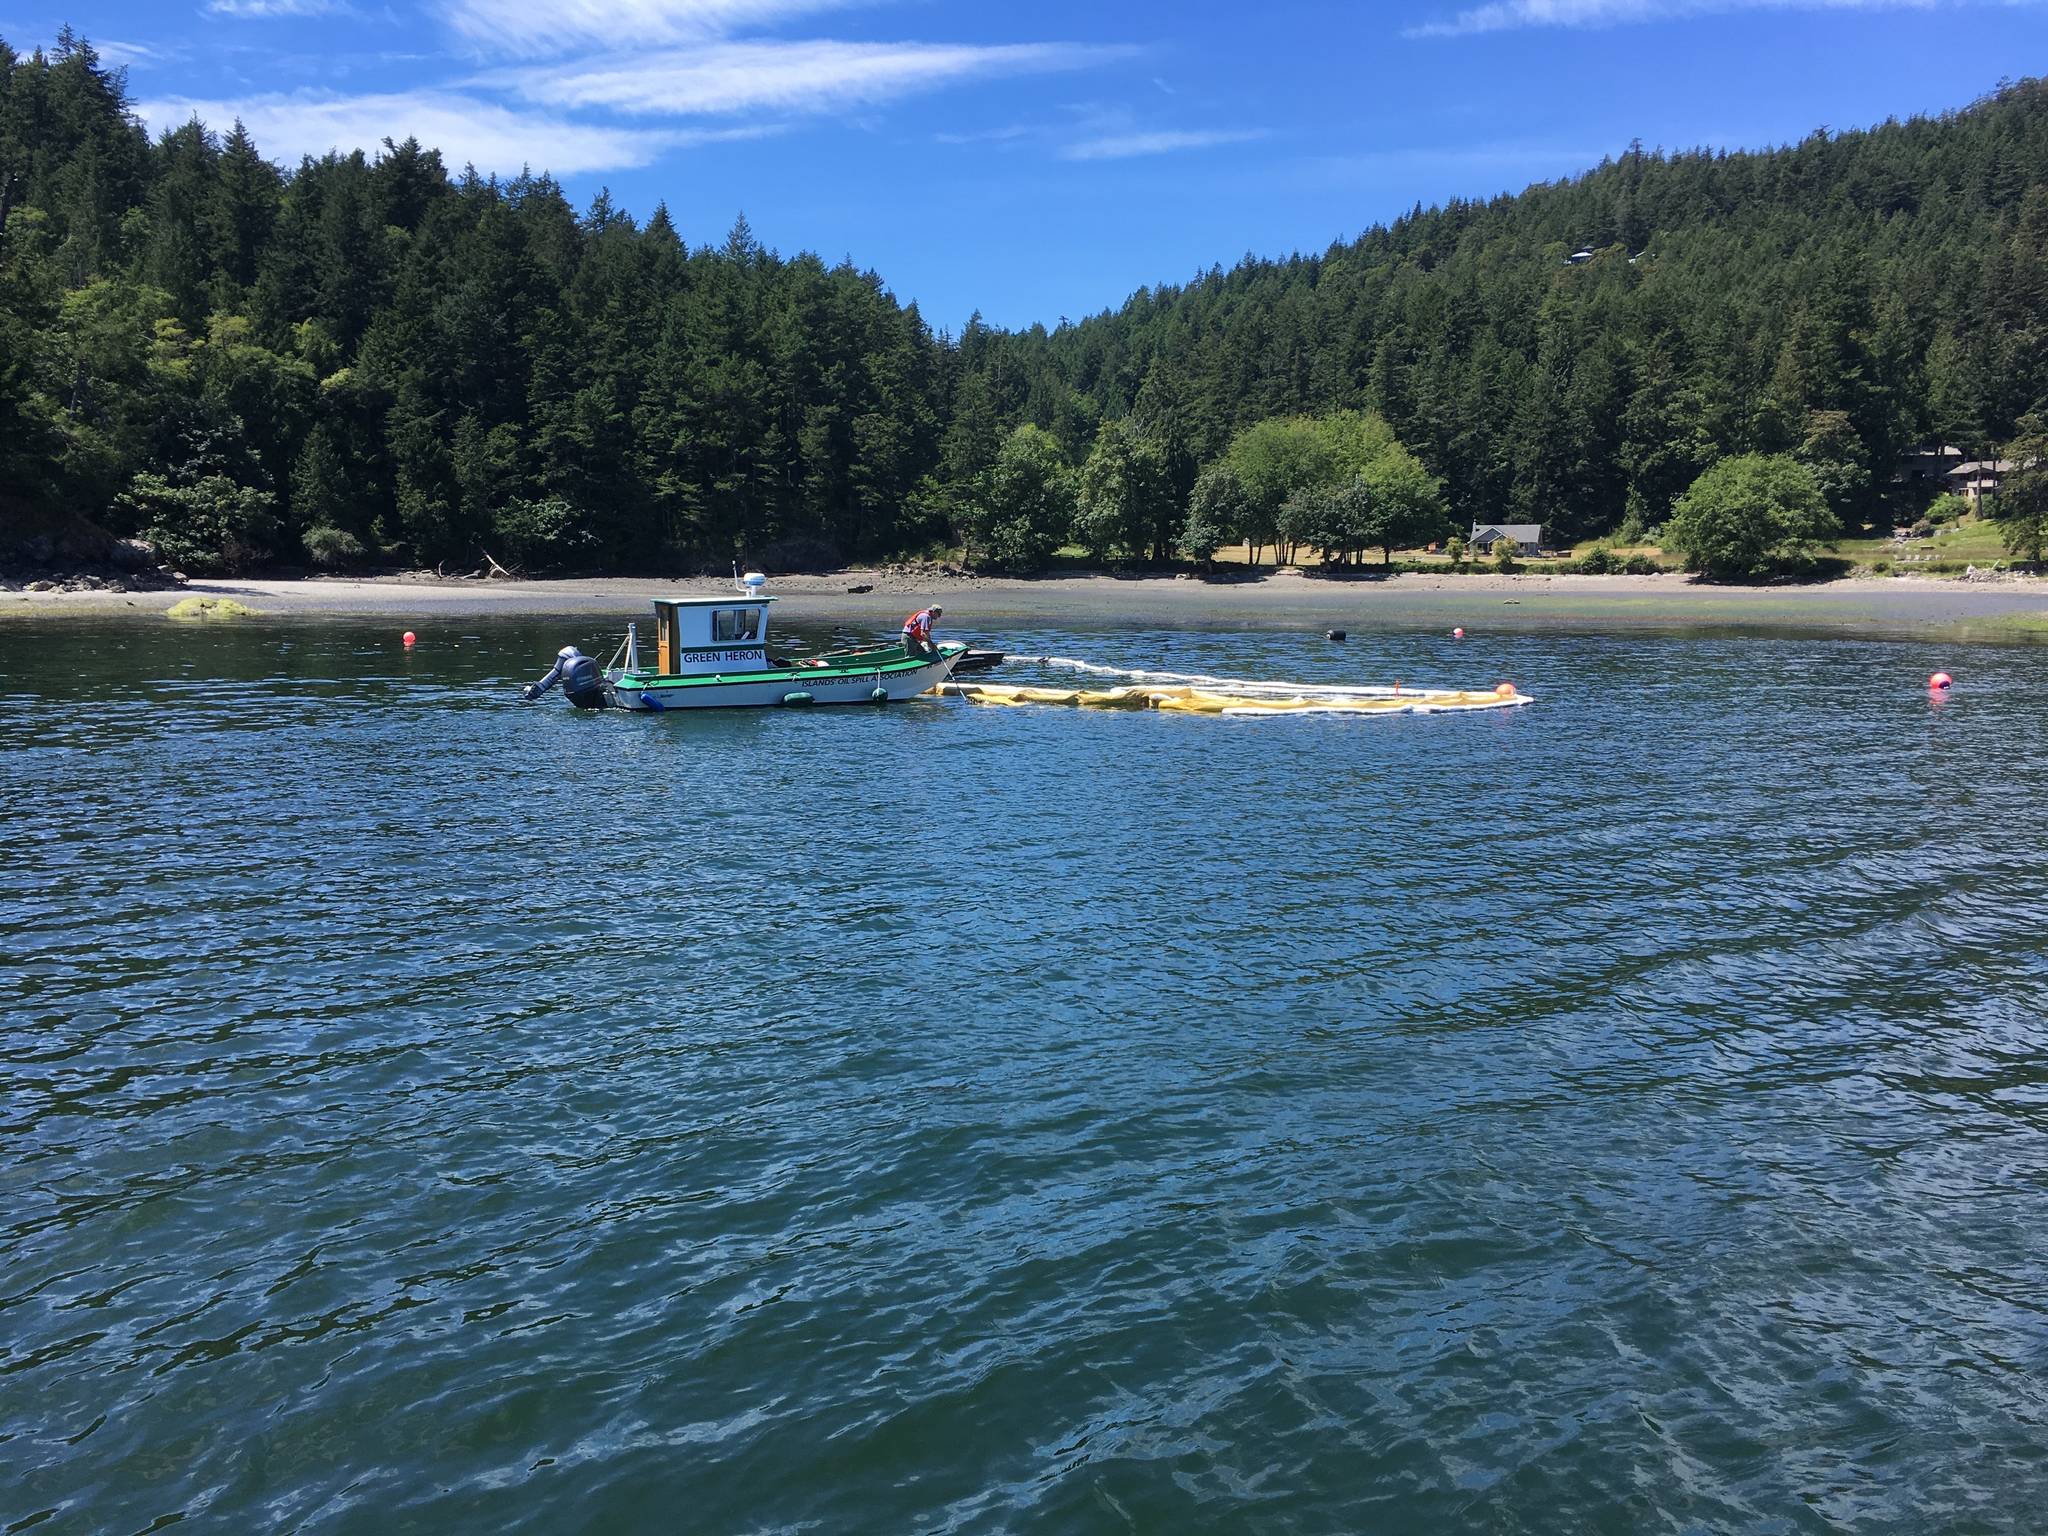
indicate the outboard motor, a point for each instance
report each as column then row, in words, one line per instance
column 582, row 680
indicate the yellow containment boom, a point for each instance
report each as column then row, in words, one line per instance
column 1204, row 701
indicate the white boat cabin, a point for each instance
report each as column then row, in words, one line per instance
column 705, row 635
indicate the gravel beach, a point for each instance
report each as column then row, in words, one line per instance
column 978, row 606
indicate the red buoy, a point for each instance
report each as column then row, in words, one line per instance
column 1457, row 634
column 409, row 638
column 1940, row 680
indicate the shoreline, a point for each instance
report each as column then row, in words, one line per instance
column 2015, row 605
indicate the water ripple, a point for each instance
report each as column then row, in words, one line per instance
column 1625, row 1114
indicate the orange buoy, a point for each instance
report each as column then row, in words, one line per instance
column 409, row 638
column 1939, row 681
column 1504, row 691
column 1457, row 634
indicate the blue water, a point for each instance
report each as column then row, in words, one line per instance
column 426, row 1113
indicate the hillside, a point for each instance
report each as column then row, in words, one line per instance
column 1898, row 277
column 360, row 359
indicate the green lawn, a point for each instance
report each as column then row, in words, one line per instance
column 1586, row 546
column 1971, row 543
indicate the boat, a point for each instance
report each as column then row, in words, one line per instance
column 712, row 653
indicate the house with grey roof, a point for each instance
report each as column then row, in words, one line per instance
column 1526, row 537
column 1979, row 478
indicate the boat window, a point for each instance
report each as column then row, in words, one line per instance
column 730, row 624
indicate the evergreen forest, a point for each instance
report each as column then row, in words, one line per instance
column 370, row 359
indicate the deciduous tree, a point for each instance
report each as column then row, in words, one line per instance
column 1749, row 517
column 1025, row 507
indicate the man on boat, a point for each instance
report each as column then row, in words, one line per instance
column 917, row 632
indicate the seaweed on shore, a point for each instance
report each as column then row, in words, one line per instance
column 210, row 608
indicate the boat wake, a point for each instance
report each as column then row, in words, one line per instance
column 1238, row 701
column 1231, row 684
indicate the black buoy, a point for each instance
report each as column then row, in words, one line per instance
column 1333, row 634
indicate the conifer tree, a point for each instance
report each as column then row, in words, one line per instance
column 426, row 363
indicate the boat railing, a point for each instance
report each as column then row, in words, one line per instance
column 852, row 656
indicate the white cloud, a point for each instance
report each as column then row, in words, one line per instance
column 1512, row 15
column 464, row 129
column 1125, row 146
column 1004, row 135
column 263, row 9
column 119, row 55
column 537, row 27
column 813, row 76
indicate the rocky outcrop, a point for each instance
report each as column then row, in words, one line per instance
column 49, row 552
column 97, row 579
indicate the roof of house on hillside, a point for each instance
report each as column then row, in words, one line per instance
column 1984, row 467
column 1521, row 533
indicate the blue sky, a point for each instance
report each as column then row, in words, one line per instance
column 1042, row 161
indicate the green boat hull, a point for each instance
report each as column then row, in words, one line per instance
column 882, row 675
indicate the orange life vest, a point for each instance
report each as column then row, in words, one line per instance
column 919, row 624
